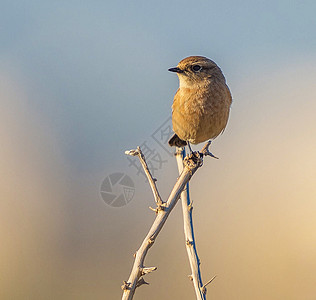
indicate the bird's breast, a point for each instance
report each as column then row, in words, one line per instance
column 200, row 114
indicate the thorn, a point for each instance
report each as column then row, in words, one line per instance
column 125, row 285
column 211, row 155
column 132, row 152
column 140, row 282
column 206, row 152
column 135, row 254
column 189, row 243
column 154, row 209
column 160, row 207
column 150, row 241
column 206, row 284
column 190, row 277
column 148, row 270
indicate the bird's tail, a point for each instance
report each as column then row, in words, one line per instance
column 177, row 142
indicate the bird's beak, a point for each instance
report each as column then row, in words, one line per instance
column 177, row 70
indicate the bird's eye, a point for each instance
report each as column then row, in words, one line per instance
column 196, row 68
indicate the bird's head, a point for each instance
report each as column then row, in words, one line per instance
column 197, row 70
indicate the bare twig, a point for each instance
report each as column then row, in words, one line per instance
column 189, row 233
column 190, row 167
column 206, row 284
column 152, row 181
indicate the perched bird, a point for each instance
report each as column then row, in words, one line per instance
column 202, row 103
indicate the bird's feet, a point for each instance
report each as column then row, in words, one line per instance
column 192, row 154
column 189, row 146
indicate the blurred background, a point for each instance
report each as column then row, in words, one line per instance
column 81, row 82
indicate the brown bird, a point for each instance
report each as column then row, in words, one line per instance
column 202, row 103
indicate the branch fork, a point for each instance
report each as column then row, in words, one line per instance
column 187, row 167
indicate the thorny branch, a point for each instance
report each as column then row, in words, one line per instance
column 151, row 180
column 190, row 165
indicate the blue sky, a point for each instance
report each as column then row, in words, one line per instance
column 93, row 68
